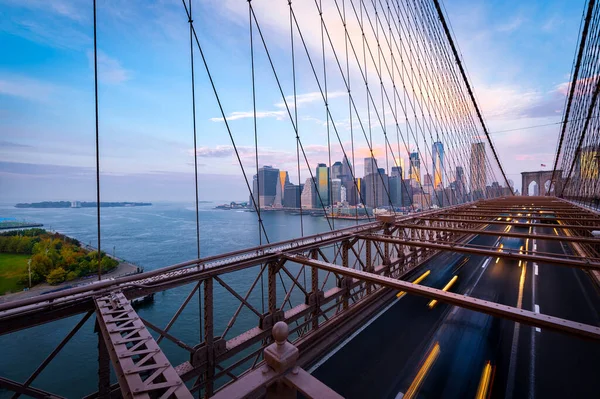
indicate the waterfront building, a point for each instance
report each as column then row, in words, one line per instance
column 308, row 198
column 292, row 196
column 322, row 177
column 265, row 185
column 336, row 191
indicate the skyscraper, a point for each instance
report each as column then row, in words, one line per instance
column 322, row 185
column 265, row 186
column 375, row 189
column 336, row 191
column 337, row 170
column 414, row 172
column 282, row 180
column 437, row 153
column 291, row 198
column 477, row 166
column 309, row 194
column 397, row 171
column 370, row 166
column 460, row 184
column 346, row 170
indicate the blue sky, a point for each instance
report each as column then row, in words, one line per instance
column 518, row 55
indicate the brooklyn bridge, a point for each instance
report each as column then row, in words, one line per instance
column 462, row 290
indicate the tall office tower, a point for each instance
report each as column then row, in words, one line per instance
column 351, row 192
column 427, row 180
column 322, row 185
column 336, row 191
column 346, row 170
column 400, row 163
column 265, row 186
column 414, row 172
column 375, row 188
column 437, row 152
column 308, row 198
column 395, row 187
column 461, row 184
column 407, row 193
column 370, row 166
column 397, row 171
column 337, row 170
column 291, row 198
column 478, row 170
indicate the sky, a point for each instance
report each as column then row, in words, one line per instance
column 518, row 56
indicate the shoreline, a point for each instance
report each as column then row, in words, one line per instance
column 124, row 268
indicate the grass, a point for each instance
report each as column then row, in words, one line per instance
column 12, row 267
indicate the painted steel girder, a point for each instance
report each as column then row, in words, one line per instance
column 142, row 368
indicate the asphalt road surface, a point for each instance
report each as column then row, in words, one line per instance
column 443, row 351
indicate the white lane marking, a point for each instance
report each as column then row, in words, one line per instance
column 485, row 264
column 536, row 269
column 350, row 338
column 537, row 310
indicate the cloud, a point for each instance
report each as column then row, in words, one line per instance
column 26, row 88
column 511, row 25
column 109, row 69
column 10, row 144
column 307, row 98
column 250, row 114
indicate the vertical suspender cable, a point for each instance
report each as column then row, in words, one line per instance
column 97, row 142
column 262, row 288
column 190, row 22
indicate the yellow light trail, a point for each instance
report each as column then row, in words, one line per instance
column 446, row 288
column 417, row 281
column 497, row 259
column 429, row 360
column 484, row 382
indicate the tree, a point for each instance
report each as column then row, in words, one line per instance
column 71, row 276
column 108, row 263
column 41, row 264
column 56, row 276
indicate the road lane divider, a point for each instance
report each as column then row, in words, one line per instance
column 417, row 281
column 484, row 382
column 446, row 288
column 434, row 353
column 536, row 309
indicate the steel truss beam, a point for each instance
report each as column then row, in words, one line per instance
column 505, row 223
column 142, row 368
column 491, row 308
column 585, row 240
column 589, row 218
column 504, row 253
column 22, row 389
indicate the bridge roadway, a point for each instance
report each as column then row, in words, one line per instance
column 383, row 358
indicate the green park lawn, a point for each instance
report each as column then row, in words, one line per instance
column 12, row 266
